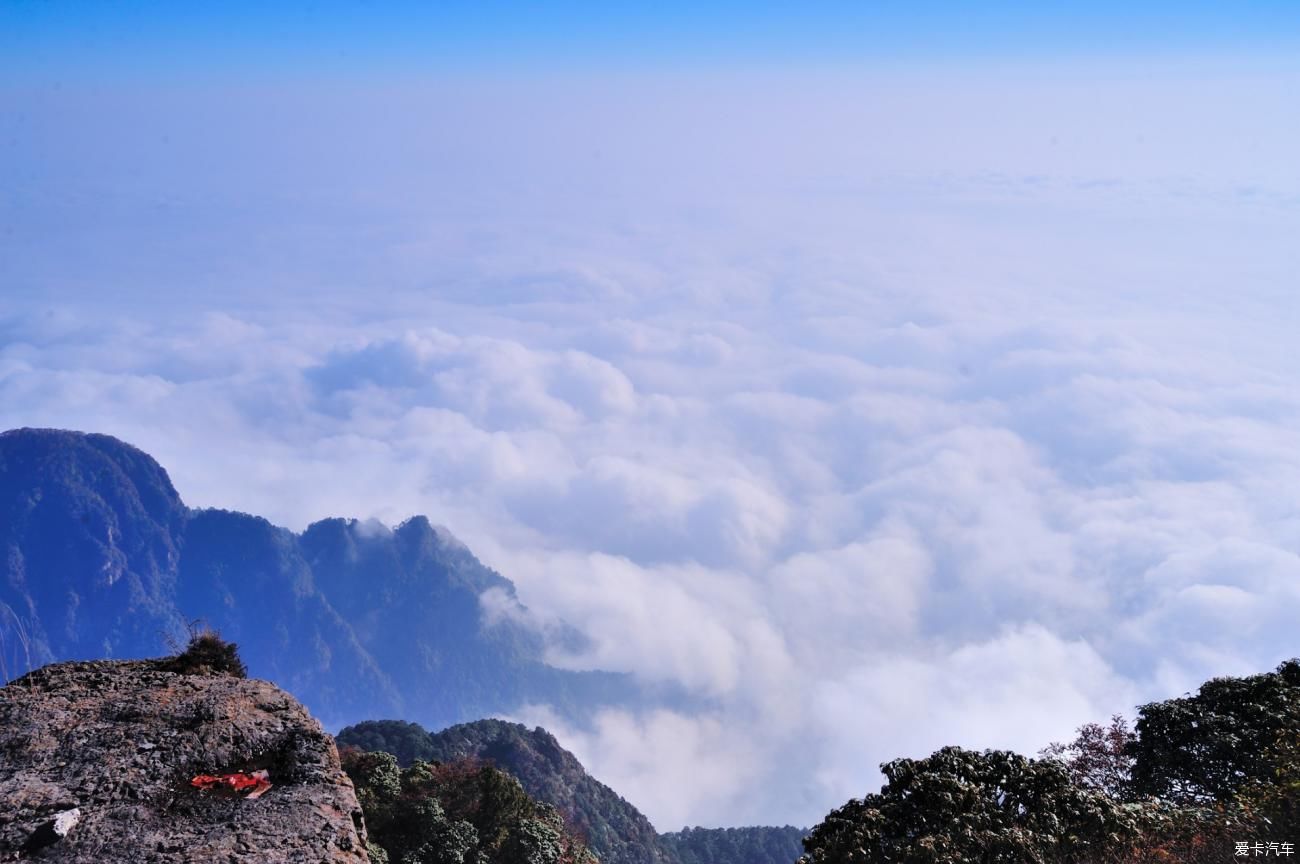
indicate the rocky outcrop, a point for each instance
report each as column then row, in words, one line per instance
column 96, row 761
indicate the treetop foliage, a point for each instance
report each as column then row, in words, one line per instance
column 614, row 829
column 463, row 812
column 753, row 845
column 1100, row 757
column 1198, row 774
column 1208, row 747
column 992, row 807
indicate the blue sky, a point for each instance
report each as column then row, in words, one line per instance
column 362, row 37
column 888, row 379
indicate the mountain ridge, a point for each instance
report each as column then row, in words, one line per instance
column 613, row 828
column 101, row 557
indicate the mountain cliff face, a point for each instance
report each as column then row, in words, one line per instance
column 99, row 557
column 106, row 751
column 89, row 544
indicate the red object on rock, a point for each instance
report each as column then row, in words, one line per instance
column 252, row 785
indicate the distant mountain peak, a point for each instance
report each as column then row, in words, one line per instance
column 100, row 558
column 89, row 526
column 102, row 459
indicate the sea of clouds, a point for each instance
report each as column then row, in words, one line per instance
column 878, row 411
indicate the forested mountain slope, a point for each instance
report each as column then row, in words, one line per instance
column 614, row 829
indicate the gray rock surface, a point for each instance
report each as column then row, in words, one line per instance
column 119, row 741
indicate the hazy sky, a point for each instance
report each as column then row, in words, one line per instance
column 889, row 375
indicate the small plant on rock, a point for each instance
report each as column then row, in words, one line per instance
column 207, row 653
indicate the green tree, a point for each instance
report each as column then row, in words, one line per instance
column 376, row 776
column 1211, row 746
column 990, row 807
column 421, row 833
column 463, row 812
column 536, row 841
column 1271, row 806
column 754, row 845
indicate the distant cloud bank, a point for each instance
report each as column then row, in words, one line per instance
column 870, row 449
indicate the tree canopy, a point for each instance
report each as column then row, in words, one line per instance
column 991, row 807
column 1210, row 746
column 463, row 812
column 1199, row 774
column 1100, row 757
column 765, row 845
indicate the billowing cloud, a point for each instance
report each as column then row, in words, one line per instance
column 887, row 428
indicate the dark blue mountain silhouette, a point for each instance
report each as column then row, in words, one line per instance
column 100, row 557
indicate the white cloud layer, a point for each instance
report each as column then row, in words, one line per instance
column 905, row 413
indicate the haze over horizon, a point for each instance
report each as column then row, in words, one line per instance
column 887, row 377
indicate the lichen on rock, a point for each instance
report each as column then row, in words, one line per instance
column 119, row 741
